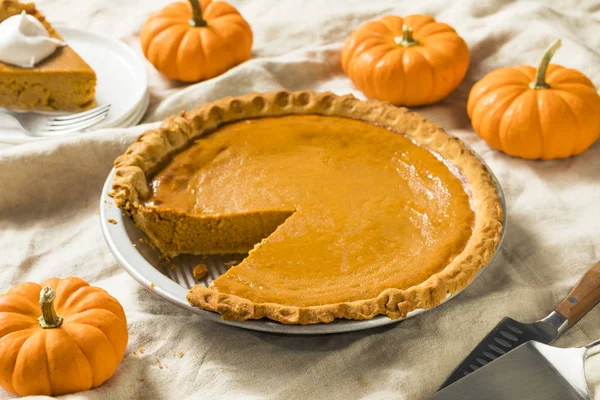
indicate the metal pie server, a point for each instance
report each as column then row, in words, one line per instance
column 534, row 371
column 509, row 334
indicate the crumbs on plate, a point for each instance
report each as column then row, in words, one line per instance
column 147, row 242
column 200, row 271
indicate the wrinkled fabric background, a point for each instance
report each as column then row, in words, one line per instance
column 49, row 195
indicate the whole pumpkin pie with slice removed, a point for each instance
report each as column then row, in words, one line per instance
column 348, row 208
column 61, row 82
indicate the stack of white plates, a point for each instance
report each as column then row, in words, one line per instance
column 122, row 83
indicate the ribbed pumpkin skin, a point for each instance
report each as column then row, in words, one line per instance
column 556, row 122
column 79, row 355
column 410, row 76
column 191, row 54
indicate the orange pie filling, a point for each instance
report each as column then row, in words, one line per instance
column 330, row 209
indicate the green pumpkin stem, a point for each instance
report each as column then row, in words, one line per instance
column 540, row 74
column 406, row 39
column 49, row 319
column 197, row 19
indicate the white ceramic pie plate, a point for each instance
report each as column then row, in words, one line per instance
column 171, row 281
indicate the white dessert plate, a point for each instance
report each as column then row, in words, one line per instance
column 172, row 280
column 138, row 114
column 122, row 82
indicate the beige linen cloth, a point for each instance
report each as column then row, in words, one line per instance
column 49, row 194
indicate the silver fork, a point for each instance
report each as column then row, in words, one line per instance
column 74, row 122
column 20, row 128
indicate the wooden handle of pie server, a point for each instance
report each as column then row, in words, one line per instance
column 583, row 297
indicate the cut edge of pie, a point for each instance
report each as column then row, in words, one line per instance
column 153, row 148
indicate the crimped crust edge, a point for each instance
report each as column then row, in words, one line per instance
column 152, row 148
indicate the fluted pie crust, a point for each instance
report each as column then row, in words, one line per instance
column 153, row 149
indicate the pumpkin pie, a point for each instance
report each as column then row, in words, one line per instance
column 61, row 82
column 347, row 208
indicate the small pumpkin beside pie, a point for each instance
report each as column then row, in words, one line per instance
column 58, row 337
column 347, row 208
column 408, row 61
column 195, row 40
column 544, row 113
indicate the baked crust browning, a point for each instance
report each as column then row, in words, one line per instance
column 153, row 148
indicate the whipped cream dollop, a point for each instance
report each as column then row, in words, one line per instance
column 25, row 41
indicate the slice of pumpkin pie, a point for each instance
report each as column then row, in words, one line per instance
column 61, row 82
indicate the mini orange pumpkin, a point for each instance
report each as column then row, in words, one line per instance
column 408, row 61
column 551, row 112
column 75, row 344
column 190, row 42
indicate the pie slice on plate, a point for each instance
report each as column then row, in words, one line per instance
column 348, row 208
column 61, row 82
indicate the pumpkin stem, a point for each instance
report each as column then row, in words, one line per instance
column 540, row 74
column 406, row 39
column 49, row 318
column 197, row 19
